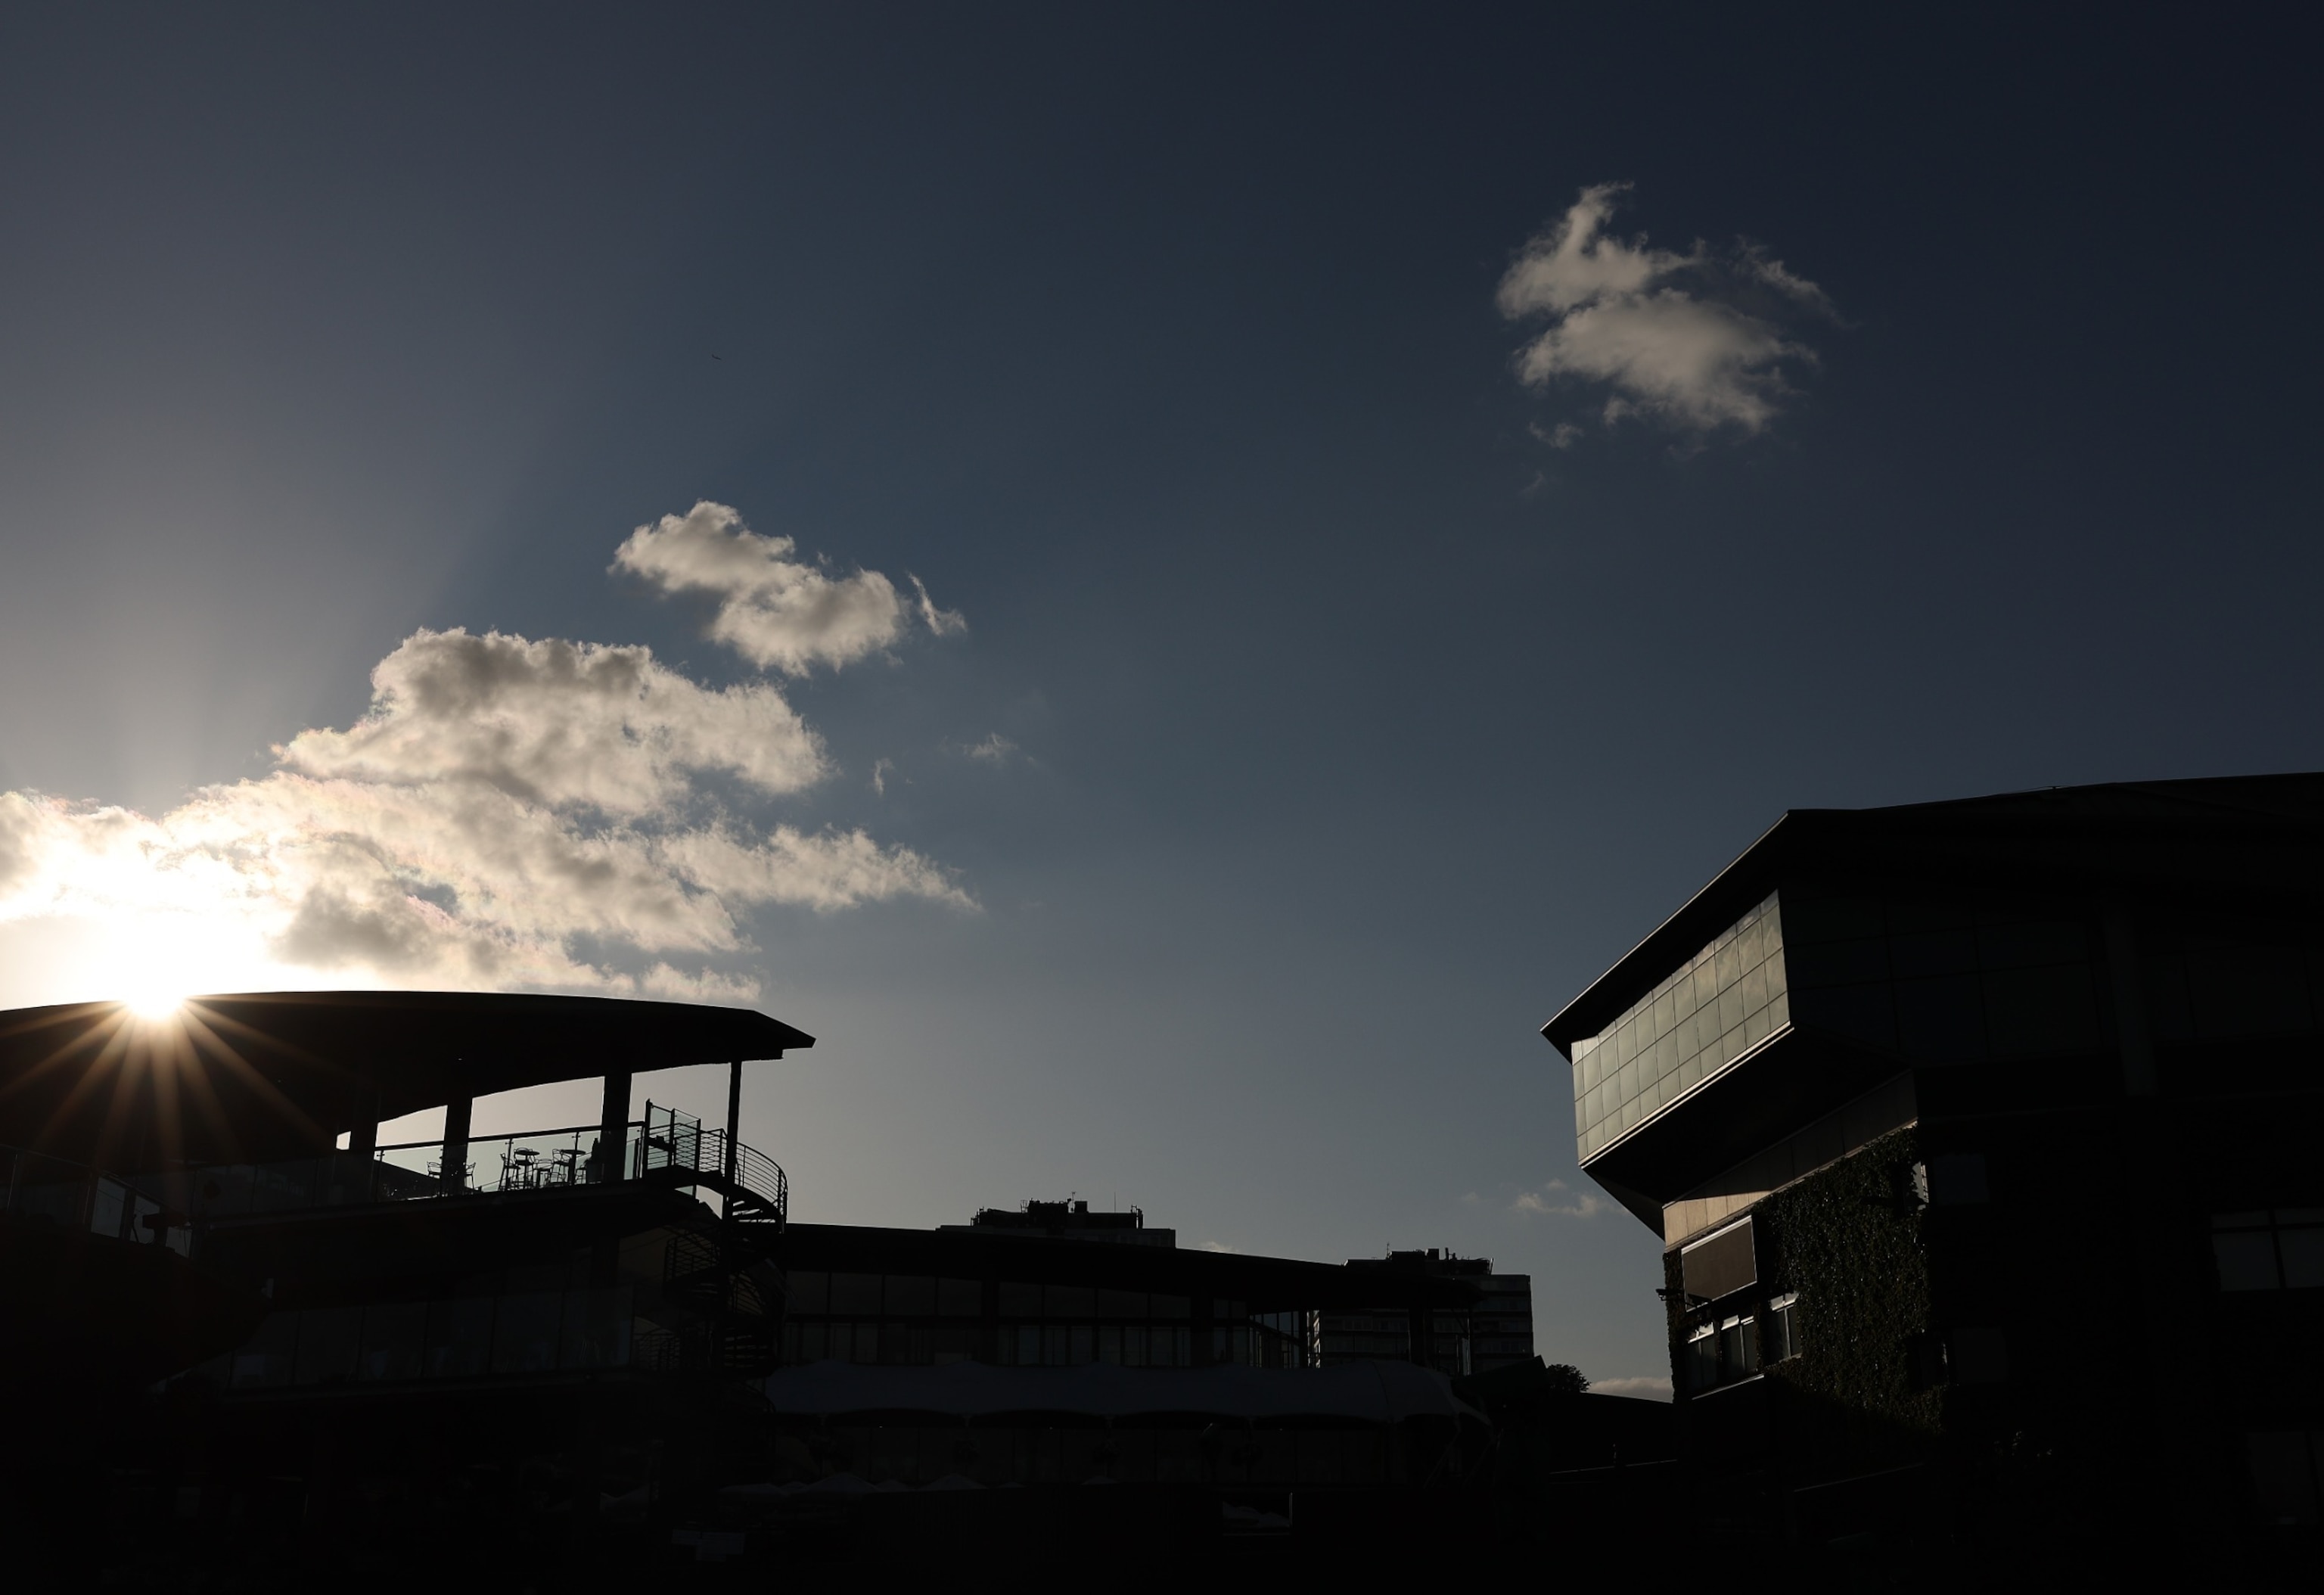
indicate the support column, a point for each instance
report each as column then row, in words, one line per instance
column 363, row 1142
column 1420, row 1327
column 733, row 1126
column 362, row 1135
column 613, row 1131
column 457, row 1112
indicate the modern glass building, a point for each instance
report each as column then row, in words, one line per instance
column 1980, row 1129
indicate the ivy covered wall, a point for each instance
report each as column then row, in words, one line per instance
column 1859, row 1395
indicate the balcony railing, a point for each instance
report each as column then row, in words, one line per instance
column 665, row 1147
column 527, row 1160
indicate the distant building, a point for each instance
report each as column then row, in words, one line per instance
column 1981, row 1141
column 1493, row 1332
column 1055, row 1285
column 1069, row 1220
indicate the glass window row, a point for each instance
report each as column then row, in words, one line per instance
column 924, row 1296
column 1016, row 1345
column 2269, row 1249
column 1699, row 1019
column 461, row 1337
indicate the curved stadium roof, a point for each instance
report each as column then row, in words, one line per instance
column 282, row 1073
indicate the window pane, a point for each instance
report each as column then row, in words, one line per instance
column 394, row 1335
column 1703, row 1362
column 327, row 1345
column 525, row 1333
column 855, row 1294
column 2303, row 1251
column 911, row 1295
column 459, row 1336
column 2246, row 1259
column 2283, row 1478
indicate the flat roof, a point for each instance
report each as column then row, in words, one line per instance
column 1264, row 1284
column 251, row 1075
column 2259, row 838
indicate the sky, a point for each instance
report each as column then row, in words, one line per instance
column 1168, row 581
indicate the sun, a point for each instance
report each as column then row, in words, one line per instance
column 154, row 999
column 156, row 977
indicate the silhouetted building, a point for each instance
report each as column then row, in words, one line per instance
column 1052, row 1285
column 471, row 1329
column 252, row 1334
column 1069, row 1220
column 1492, row 1332
column 1981, row 1141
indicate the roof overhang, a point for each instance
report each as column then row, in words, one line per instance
column 262, row 1074
column 2255, row 841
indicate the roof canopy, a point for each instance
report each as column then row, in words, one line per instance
column 273, row 1074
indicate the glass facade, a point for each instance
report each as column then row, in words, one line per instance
column 2278, row 1249
column 512, row 1331
column 908, row 1318
column 1943, row 982
column 1697, row 1022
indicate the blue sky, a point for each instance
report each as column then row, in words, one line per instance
column 1372, row 620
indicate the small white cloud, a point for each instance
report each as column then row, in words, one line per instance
column 775, row 611
column 994, row 749
column 944, row 622
column 1694, row 340
column 1553, row 1200
column 879, row 768
column 1565, row 435
column 1652, row 1386
column 1214, row 1245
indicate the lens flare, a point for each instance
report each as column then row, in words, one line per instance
column 156, row 1000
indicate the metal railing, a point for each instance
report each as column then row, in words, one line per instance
column 664, row 1143
column 490, row 1165
column 156, row 1205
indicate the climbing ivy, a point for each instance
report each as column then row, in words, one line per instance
column 1848, row 1239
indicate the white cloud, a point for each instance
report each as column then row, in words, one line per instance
column 994, row 749
column 509, row 813
column 1652, row 1386
column 1553, row 1200
column 1694, row 340
column 775, row 611
column 560, row 723
column 944, row 622
column 879, row 768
